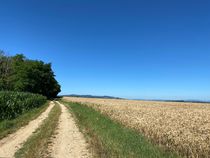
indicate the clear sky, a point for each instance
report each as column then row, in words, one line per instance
column 150, row 49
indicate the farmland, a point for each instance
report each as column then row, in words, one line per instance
column 180, row 127
column 110, row 139
column 13, row 104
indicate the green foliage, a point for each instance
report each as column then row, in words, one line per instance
column 20, row 74
column 13, row 104
column 11, row 126
column 5, row 70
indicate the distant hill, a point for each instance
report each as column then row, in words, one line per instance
column 185, row 101
column 90, row 96
column 111, row 97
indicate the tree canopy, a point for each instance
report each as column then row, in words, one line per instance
column 17, row 73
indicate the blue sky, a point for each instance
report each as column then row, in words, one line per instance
column 135, row 49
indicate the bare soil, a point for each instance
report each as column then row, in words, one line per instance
column 68, row 141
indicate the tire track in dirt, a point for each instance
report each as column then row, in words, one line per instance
column 10, row 144
column 69, row 141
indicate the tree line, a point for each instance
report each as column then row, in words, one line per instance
column 17, row 73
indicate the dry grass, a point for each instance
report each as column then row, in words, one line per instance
column 180, row 127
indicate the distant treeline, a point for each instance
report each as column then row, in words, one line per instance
column 184, row 101
column 17, row 73
column 91, row 96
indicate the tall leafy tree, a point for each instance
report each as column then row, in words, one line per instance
column 5, row 71
column 31, row 76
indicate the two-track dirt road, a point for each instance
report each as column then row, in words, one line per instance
column 9, row 145
column 68, row 141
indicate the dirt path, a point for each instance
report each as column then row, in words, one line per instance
column 69, row 141
column 10, row 144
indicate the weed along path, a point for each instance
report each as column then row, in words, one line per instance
column 9, row 145
column 69, row 141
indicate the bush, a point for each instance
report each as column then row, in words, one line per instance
column 13, row 104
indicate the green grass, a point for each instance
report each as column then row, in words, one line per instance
column 111, row 139
column 36, row 145
column 10, row 126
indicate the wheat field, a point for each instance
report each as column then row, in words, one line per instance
column 180, row 127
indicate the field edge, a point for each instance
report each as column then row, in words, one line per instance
column 108, row 138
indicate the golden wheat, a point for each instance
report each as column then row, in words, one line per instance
column 180, row 127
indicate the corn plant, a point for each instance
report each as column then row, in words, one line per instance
column 13, row 104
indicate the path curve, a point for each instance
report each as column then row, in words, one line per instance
column 10, row 144
column 69, row 141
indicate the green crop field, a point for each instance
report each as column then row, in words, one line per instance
column 13, row 104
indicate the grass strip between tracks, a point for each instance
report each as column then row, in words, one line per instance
column 11, row 126
column 108, row 138
column 36, row 145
